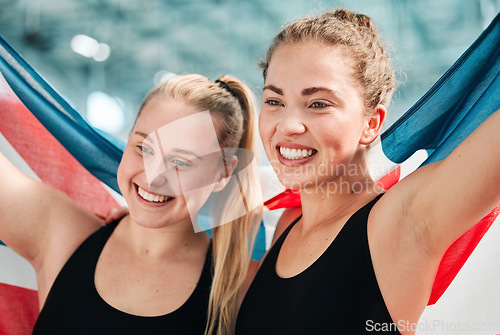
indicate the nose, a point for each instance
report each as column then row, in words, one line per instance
column 158, row 181
column 290, row 123
column 156, row 171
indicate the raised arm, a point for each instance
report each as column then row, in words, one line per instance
column 35, row 218
column 448, row 197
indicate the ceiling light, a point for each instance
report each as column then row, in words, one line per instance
column 105, row 112
column 84, row 45
column 102, row 52
column 89, row 47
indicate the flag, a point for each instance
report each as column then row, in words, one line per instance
column 49, row 139
column 28, row 134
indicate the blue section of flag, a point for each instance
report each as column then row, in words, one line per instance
column 98, row 152
column 259, row 247
column 455, row 105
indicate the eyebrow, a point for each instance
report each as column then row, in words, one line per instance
column 177, row 150
column 312, row 90
column 274, row 89
column 186, row 152
column 144, row 135
column 306, row 92
column 140, row 133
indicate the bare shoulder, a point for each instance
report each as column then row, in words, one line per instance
column 69, row 226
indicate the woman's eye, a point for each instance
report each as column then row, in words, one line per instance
column 272, row 102
column 319, row 104
column 144, row 150
column 179, row 162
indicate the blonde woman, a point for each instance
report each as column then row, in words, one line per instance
column 151, row 271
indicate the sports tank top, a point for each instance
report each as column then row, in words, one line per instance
column 74, row 306
column 337, row 294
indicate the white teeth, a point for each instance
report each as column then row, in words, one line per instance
column 295, row 153
column 152, row 197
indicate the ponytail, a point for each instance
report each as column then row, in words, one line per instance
column 233, row 241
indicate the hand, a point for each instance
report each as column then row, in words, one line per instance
column 115, row 214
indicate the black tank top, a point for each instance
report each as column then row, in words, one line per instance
column 337, row 294
column 74, row 306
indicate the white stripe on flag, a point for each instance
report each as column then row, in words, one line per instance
column 413, row 162
column 15, row 270
column 270, row 186
column 378, row 163
column 117, row 196
column 12, row 155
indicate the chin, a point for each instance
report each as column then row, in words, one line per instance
column 296, row 184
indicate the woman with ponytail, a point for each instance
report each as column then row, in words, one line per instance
column 151, row 271
column 358, row 260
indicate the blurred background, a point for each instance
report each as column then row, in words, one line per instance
column 105, row 55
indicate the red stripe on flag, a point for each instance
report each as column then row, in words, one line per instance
column 286, row 199
column 389, row 180
column 18, row 310
column 47, row 157
column 458, row 253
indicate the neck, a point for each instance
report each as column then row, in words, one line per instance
column 158, row 243
column 339, row 197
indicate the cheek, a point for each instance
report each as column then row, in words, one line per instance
column 127, row 168
column 338, row 141
column 120, row 177
column 266, row 126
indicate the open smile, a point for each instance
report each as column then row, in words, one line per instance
column 294, row 154
column 152, row 197
column 289, row 153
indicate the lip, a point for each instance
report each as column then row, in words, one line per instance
column 151, row 203
column 294, row 162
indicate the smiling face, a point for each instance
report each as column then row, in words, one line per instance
column 168, row 172
column 313, row 122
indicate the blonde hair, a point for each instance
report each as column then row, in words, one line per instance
column 354, row 31
column 232, row 105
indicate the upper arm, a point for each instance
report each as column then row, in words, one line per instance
column 24, row 207
column 445, row 199
column 34, row 215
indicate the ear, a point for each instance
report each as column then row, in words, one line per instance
column 230, row 165
column 373, row 125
